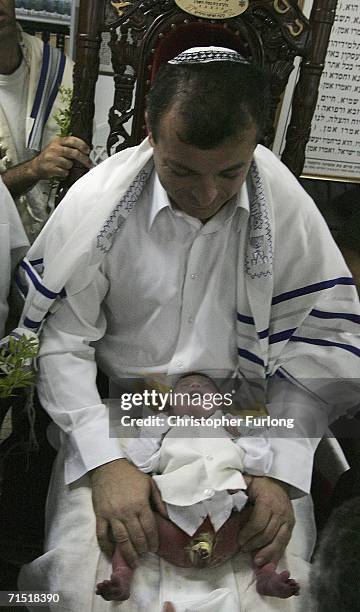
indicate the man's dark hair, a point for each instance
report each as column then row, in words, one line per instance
column 215, row 100
column 335, row 576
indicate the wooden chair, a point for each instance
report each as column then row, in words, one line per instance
column 145, row 33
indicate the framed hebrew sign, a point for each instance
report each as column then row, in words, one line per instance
column 334, row 147
column 333, row 151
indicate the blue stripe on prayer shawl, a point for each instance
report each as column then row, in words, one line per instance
column 36, row 262
column 319, row 342
column 281, row 336
column 251, row 321
column 51, row 75
column 250, row 356
column 38, row 285
column 245, row 319
column 288, row 295
column 31, row 324
column 320, row 314
column 55, row 89
column 42, row 80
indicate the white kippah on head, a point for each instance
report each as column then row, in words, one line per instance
column 205, row 55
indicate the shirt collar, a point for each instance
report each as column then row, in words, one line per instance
column 160, row 200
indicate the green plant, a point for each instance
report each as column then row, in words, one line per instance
column 16, row 371
column 63, row 116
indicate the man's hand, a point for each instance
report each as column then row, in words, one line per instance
column 57, row 159
column 271, row 522
column 121, row 494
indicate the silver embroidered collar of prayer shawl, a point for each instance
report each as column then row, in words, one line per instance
column 206, row 55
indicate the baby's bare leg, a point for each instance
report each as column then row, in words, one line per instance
column 118, row 587
column 269, row 583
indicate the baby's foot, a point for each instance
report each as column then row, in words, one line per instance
column 115, row 589
column 275, row 585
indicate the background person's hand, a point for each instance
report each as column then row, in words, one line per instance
column 57, row 159
column 271, row 522
column 121, row 499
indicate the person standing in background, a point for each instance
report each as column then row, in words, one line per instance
column 31, row 73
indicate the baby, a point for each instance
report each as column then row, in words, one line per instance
column 202, row 525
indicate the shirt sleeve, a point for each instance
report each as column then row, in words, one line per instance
column 258, row 455
column 67, row 380
column 144, row 453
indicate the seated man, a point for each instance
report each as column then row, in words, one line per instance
column 30, row 152
column 195, row 251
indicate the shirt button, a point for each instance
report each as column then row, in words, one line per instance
column 195, row 276
column 191, row 320
column 209, row 492
column 209, row 457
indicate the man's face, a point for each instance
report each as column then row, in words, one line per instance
column 7, row 18
column 199, row 182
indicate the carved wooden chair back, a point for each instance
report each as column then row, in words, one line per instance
column 146, row 33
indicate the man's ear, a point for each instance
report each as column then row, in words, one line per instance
column 149, row 133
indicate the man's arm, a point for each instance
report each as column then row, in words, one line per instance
column 67, row 390
column 55, row 161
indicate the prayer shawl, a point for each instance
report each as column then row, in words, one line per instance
column 298, row 312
